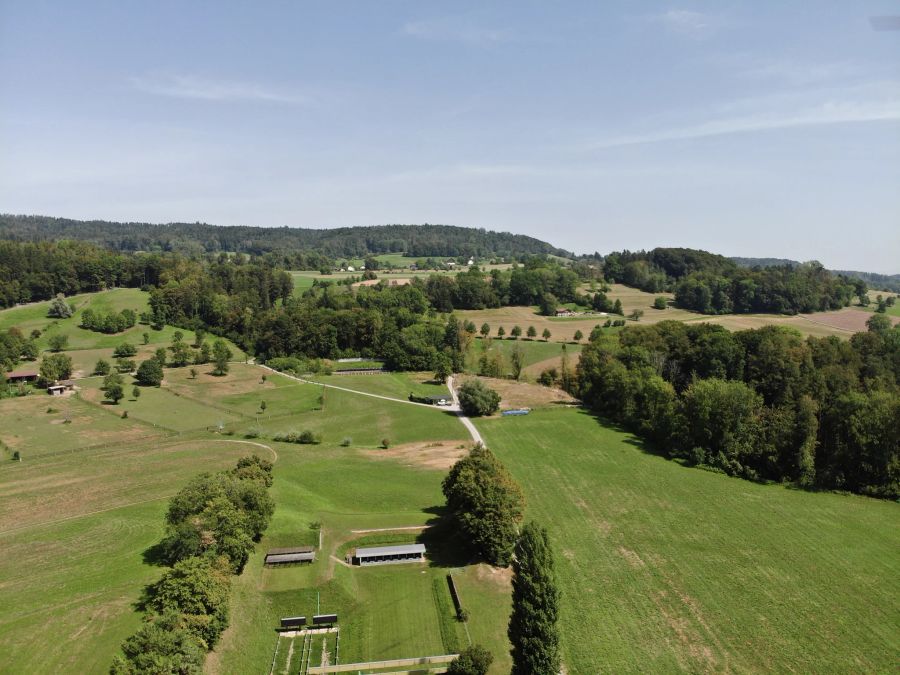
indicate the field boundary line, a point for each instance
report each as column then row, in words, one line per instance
column 373, row 665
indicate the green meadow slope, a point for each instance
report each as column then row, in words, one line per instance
column 666, row 568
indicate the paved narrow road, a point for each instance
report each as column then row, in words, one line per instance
column 473, row 431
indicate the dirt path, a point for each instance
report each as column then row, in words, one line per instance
column 391, row 529
column 467, row 423
column 352, row 391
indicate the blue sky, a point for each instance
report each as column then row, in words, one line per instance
column 757, row 128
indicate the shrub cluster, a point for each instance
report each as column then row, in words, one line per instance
column 211, row 525
column 306, row 437
column 114, row 322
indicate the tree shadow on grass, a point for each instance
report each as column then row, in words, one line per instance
column 444, row 544
column 154, row 555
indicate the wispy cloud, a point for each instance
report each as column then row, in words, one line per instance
column 687, row 22
column 191, row 87
column 456, row 30
column 828, row 112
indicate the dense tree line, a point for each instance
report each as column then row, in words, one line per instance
column 713, row 284
column 211, row 525
column 39, row 271
column 884, row 282
column 763, row 404
column 347, row 242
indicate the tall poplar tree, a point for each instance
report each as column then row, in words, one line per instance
column 535, row 605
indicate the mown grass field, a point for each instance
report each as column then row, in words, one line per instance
column 665, row 568
column 73, row 528
column 77, row 515
column 385, row 612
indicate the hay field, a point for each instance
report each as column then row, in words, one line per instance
column 666, row 568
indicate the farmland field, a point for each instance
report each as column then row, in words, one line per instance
column 671, row 569
column 663, row 568
column 73, row 528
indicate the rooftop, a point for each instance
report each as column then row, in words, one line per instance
column 402, row 549
column 291, row 549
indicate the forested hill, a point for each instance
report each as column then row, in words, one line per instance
column 349, row 242
column 880, row 282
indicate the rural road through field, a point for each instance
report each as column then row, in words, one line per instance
column 473, row 432
column 467, row 423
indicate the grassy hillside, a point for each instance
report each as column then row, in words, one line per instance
column 86, row 346
column 671, row 569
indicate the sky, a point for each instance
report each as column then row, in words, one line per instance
column 744, row 128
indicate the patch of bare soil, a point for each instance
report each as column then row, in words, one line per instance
column 501, row 576
column 430, row 455
column 524, row 395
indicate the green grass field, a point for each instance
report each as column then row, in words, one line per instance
column 386, row 612
column 395, row 385
column 665, row 568
column 73, row 528
column 538, row 354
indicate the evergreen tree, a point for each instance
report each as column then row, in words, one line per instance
column 533, row 632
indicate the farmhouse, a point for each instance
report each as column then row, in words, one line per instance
column 294, row 554
column 16, row 376
column 562, row 311
column 386, row 555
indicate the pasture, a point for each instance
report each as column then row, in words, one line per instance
column 73, row 530
column 665, row 568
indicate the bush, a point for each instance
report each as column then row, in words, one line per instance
column 477, row 399
column 59, row 308
column 385, row 443
column 660, row 303
column 306, row 437
column 162, row 645
column 58, row 342
column 125, row 349
column 346, row 442
column 474, row 660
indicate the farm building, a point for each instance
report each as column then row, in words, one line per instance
column 60, row 388
column 386, row 555
column 565, row 312
column 16, row 376
column 294, row 554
